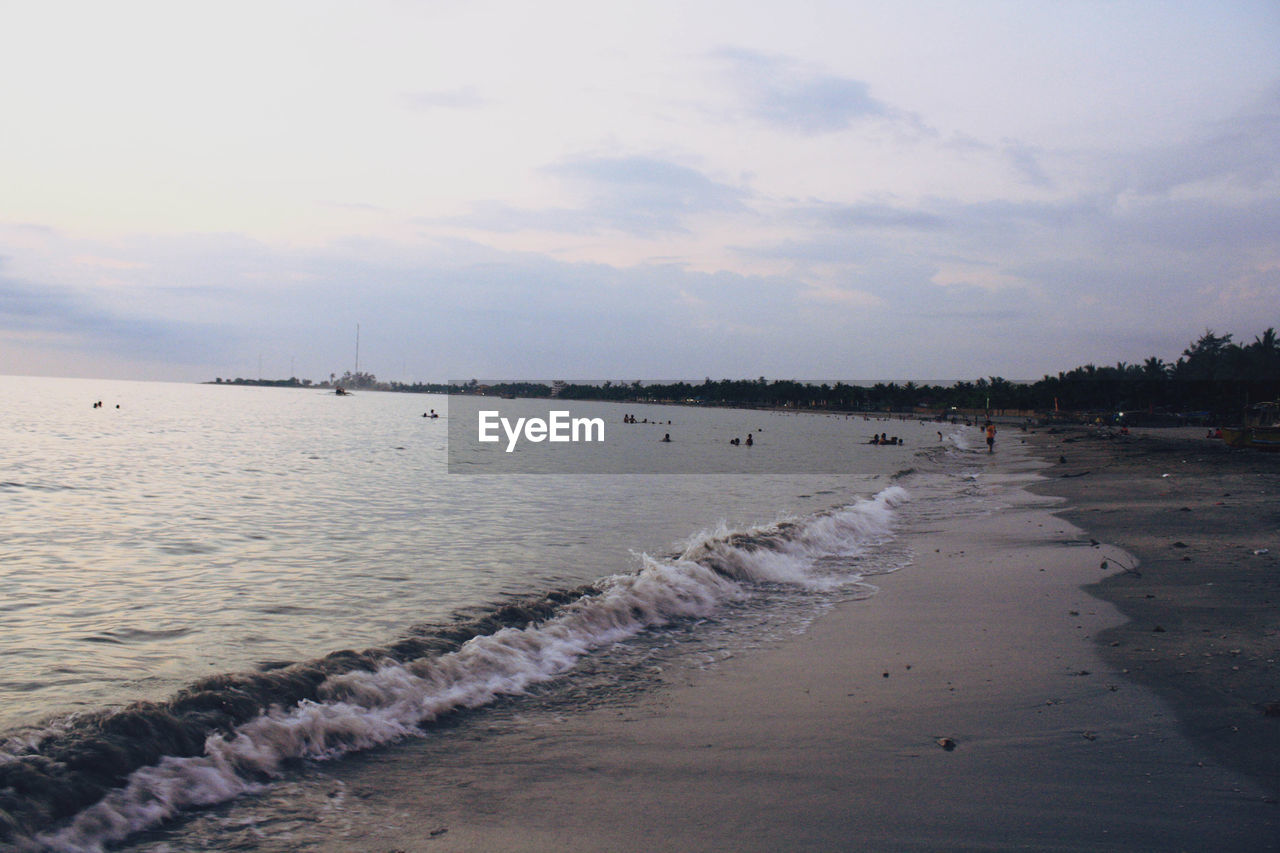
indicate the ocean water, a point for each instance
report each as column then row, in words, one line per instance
column 201, row 586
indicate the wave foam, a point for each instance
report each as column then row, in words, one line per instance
column 365, row 707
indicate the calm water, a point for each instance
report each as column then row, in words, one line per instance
column 183, row 532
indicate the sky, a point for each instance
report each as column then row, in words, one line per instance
column 916, row 189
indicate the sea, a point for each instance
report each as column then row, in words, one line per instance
column 209, row 591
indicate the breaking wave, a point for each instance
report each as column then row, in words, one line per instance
column 88, row 781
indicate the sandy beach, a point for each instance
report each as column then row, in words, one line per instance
column 1003, row 692
column 1203, row 606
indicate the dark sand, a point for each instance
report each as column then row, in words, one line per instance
column 1204, row 605
column 982, row 700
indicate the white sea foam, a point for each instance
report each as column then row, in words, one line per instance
column 960, row 439
column 362, row 709
column 784, row 552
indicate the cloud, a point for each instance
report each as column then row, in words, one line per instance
column 646, row 190
column 873, row 215
column 65, row 319
column 465, row 98
column 983, row 276
column 785, row 94
column 842, row 296
column 1186, row 226
column 427, row 311
column 935, row 257
column 634, row 195
column 1025, row 162
column 22, row 304
column 1239, row 151
column 109, row 263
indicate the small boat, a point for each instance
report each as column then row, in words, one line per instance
column 1261, row 429
column 341, row 392
column 1261, row 438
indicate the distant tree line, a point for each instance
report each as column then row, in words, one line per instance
column 1214, row 375
column 292, row 382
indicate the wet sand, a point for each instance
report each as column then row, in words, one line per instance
column 1203, row 605
column 983, row 700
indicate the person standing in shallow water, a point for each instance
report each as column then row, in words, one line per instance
column 991, row 437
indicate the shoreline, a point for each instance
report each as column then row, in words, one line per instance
column 974, row 703
column 1202, row 603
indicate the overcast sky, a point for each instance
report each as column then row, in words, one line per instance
column 793, row 189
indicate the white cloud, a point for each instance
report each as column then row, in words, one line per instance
column 670, row 190
column 787, row 95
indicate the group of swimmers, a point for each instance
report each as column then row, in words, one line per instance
column 631, row 419
column 735, row 441
column 98, row 405
column 883, row 438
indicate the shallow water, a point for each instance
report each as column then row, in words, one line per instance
column 182, row 532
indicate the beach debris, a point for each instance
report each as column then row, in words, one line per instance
column 1159, row 629
column 1106, row 564
column 946, row 743
column 1271, row 709
column 1089, row 735
column 1258, row 552
column 1180, row 545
